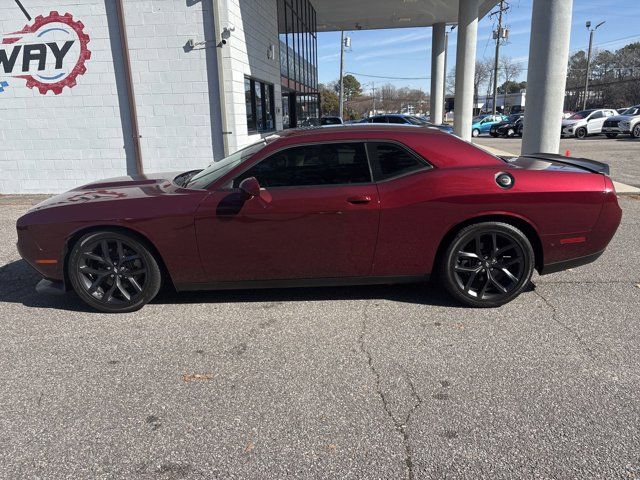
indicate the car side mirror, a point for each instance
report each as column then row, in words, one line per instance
column 250, row 186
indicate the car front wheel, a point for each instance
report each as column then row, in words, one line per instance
column 581, row 133
column 113, row 272
column 475, row 132
column 487, row 264
column 635, row 133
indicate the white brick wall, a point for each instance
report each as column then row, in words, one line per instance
column 256, row 27
column 51, row 143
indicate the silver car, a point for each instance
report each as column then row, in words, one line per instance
column 614, row 126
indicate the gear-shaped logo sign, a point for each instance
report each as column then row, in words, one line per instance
column 50, row 53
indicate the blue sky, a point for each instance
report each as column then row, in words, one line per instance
column 406, row 52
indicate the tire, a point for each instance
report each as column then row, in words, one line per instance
column 520, row 130
column 474, row 275
column 635, row 132
column 581, row 133
column 510, row 133
column 611, row 135
column 475, row 132
column 493, row 133
column 107, row 267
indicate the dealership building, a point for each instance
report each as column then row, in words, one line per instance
column 92, row 89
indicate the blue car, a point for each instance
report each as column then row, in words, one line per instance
column 482, row 123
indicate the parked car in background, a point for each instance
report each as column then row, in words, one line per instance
column 330, row 121
column 401, row 119
column 395, row 204
column 622, row 110
column 611, row 126
column 586, row 122
column 631, row 123
column 513, row 125
column 482, row 123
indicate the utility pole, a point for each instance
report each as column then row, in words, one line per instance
column 498, row 35
column 373, row 90
column 444, row 84
column 341, row 95
column 586, row 75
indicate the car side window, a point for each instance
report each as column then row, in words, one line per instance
column 391, row 160
column 379, row 119
column 327, row 164
column 596, row 115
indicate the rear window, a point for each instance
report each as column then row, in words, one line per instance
column 391, row 160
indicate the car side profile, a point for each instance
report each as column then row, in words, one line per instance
column 482, row 123
column 511, row 126
column 586, row 122
column 327, row 206
column 401, row 119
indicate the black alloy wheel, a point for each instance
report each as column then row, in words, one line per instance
column 581, row 133
column 113, row 272
column 488, row 264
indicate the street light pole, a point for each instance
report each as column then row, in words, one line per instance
column 586, row 75
column 341, row 100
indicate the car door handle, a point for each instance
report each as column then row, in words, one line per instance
column 359, row 199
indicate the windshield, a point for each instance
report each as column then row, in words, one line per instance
column 580, row 115
column 513, row 118
column 218, row 169
column 632, row 111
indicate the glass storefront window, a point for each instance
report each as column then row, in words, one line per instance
column 248, row 98
column 297, row 33
column 259, row 101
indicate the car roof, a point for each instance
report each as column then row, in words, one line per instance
column 369, row 128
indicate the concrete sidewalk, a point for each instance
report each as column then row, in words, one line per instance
column 621, row 188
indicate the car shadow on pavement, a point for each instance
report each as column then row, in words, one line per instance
column 18, row 281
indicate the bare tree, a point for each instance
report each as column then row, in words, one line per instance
column 510, row 71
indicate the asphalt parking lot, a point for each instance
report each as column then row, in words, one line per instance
column 361, row 382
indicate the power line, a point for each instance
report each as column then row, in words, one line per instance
column 389, row 78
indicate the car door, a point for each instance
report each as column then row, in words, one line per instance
column 400, row 176
column 316, row 217
column 595, row 121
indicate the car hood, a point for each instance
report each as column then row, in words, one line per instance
column 573, row 123
column 621, row 118
column 114, row 189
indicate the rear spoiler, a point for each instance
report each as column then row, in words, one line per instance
column 584, row 163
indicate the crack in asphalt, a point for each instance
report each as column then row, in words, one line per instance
column 576, row 335
column 401, row 425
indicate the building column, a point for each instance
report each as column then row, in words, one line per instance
column 465, row 67
column 547, row 75
column 437, row 72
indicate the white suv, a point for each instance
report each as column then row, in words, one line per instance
column 631, row 124
column 586, row 122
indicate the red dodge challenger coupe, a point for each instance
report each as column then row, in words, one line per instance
column 364, row 204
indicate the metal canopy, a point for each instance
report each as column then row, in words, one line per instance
column 333, row 15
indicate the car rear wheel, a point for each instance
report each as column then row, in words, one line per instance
column 493, row 133
column 487, row 264
column 635, row 133
column 475, row 132
column 581, row 133
column 113, row 272
column 611, row 135
column 520, row 130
